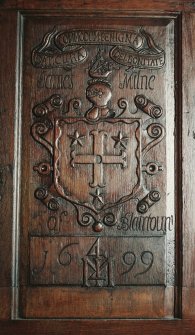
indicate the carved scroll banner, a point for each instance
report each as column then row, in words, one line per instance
column 130, row 48
column 99, row 166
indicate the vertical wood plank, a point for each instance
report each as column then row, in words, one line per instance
column 188, row 165
column 8, row 23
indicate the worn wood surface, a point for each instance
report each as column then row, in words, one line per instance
column 172, row 5
column 121, row 303
column 107, row 129
column 7, row 107
column 188, row 171
column 102, row 327
column 184, row 307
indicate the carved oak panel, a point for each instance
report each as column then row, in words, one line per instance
column 97, row 262
column 98, row 121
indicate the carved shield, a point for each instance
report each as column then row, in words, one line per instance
column 103, row 156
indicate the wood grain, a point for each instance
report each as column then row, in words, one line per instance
column 188, row 169
column 106, row 303
column 7, row 106
column 171, row 5
column 87, row 158
column 41, row 299
column 93, row 327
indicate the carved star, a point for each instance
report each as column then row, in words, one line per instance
column 120, row 140
column 76, row 139
column 97, row 196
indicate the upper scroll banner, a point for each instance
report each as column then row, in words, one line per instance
column 66, row 49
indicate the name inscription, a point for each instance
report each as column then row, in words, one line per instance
column 137, row 81
column 54, row 81
column 146, row 223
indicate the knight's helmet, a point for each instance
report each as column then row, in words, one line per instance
column 99, row 90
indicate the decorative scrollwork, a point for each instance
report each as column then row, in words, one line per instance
column 123, row 104
column 56, row 101
column 156, row 111
column 44, row 108
column 53, row 204
column 40, row 110
column 154, row 130
column 157, row 132
column 87, row 219
column 41, row 193
column 109, row 219
column 39, row 129
column 142, row 207
column 148, row 201
column 98, row 222
column 141, row 101
column 47, row 198
column 74, row 106
column 154, row 196
column 148, row 107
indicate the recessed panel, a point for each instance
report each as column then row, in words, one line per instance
column 98, row 168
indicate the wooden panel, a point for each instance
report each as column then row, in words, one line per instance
column 188, row 170
column 102, row 303
column 51, row 230
column 172, row 5
column 97, row 167
column 7, row 107
column 67, row 268
column 130, row 327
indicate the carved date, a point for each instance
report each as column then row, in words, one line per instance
column 130, row 259
column 97, row 262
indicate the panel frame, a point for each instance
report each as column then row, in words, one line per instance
column 186, row 190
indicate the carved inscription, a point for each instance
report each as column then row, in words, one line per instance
column 102, row 180
column 97, row 262
column 54, row 81
column 66, row 49
column 97, row 267
column 136, row 80
column 98, row 143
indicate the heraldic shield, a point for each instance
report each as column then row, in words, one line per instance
column 99, row 141
column 103, row 156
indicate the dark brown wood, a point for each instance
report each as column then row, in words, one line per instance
column 58, row 256
column 105, row 305
column 102, row 141
column 172, row 5
column 7, row 106
column 102, row 327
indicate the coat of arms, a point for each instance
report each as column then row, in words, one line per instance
column 98, row 153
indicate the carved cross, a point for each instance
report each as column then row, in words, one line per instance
column 98, row 159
